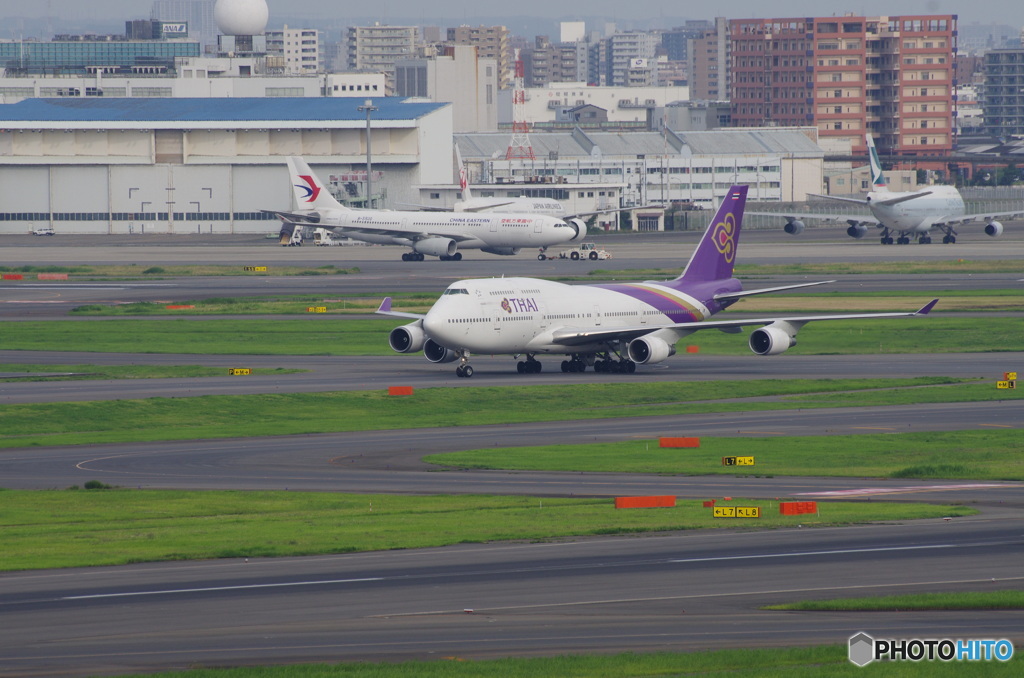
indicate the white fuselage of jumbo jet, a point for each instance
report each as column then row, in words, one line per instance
column 938, row 204
column 519, row 315
column 547, row 206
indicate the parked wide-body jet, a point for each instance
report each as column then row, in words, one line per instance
column 902, row 216
column 610, row 327
column 439, row 234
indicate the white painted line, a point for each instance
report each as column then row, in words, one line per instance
column 801, row 554
column 212, row 589
column 895, row 490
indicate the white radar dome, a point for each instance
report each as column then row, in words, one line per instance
column 241, row 17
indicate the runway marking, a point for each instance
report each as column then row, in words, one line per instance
column 765, row 433
column 873, row 428
column 801, row 554
column 864, row 491
column 998, row 425
column 696, row 596
column 131, row 594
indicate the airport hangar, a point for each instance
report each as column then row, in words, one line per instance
column 172, row 165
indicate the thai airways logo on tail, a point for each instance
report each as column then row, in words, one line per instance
column 716, row 252
column 724, row 237
column 311, row 188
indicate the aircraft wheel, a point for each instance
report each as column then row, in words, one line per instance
column 541, row 257
column 952, row 240
column 521, row 367
column 457, row 256
column 460, row 372
column 884, row 241
column 565, row 365
column 630, row 367
column 405, row 256
column 536, row 367
column 467, row 371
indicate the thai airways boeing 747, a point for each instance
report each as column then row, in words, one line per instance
column 610, row 327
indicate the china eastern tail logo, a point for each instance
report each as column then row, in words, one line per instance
column 311, row 189
column 724, row 237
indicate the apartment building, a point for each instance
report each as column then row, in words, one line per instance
column 893, row 77
column 376, row 48
column 1004, row 92
column 299, row 49
column 491, row 42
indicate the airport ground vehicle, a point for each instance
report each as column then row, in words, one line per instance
column 43, row 230
column 586, row 250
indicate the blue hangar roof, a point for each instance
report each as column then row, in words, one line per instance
column 281, row 109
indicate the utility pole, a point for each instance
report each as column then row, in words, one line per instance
column 369, row 108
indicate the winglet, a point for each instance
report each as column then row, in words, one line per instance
column 385, row 306
column 926, row 309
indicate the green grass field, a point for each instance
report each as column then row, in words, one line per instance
column 812, row 662
column 37, row 372
column 971, row 600
column 80, row 528
column 223, row 416
column 325, row 335
column 979, row 455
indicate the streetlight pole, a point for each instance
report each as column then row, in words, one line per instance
column 369, row 108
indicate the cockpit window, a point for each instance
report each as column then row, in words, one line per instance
column 456, row 290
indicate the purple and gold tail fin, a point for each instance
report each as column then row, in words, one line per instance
column 716, row 253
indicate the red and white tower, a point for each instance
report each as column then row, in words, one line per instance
column 519, row 146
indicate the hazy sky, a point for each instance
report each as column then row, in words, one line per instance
column 1009, row 12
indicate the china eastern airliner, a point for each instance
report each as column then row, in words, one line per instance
column 609, row 327
column 902, row 215
column 438, row 234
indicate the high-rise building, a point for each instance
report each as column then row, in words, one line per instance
column 377, row 48
column 630, row 59
column 1004, row 95
column 707, row 63
column 298, row 47
column 491, row 42
column 893, row 77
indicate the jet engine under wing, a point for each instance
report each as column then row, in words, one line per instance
column 579, row 336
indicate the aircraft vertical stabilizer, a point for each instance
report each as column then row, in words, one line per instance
column 877, row 178
column 309, row 191
column 716, row 253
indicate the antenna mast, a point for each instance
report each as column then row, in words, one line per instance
column 519, row 145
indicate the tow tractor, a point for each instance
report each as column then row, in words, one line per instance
column 586, row 250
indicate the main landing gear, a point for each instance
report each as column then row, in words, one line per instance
column 603, row 364
column 419, row 256
column 529, row 366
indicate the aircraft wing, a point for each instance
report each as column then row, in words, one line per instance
column 967, row 218
column 304, row 219
column 578, row 336
column 385, row 309
column 849, row 218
